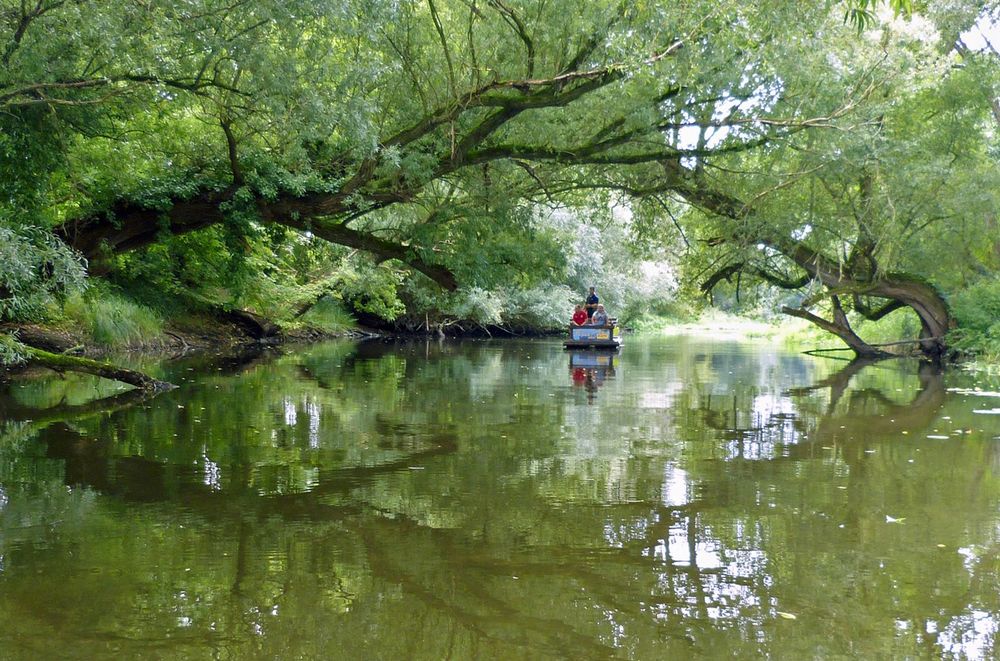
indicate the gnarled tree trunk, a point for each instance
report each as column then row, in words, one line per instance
column 901, row 290
column 840, row 327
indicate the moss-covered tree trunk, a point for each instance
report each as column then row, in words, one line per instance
column 64, row 363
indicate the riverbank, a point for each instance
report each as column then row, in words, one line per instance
column 226, row 331
column 189, row 335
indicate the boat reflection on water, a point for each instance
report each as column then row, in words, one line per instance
column 590, row 369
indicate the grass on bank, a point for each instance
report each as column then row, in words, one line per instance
column 977, row 339
column 113, row 317
column 328, row 316
column 111, row 320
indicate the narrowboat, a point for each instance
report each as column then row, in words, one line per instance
column 594, row 337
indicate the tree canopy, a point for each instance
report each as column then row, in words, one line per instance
column 795, row 142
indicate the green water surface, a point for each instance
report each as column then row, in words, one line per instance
column 688, row 498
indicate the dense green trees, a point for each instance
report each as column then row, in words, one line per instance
column 433, row 111
column 434, row 133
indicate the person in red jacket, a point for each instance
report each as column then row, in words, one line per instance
column 579, row 316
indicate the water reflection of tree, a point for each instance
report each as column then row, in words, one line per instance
column 856, row 428
column 825, row 412
column 870, row 411
column 126, row 455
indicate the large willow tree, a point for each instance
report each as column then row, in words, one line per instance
column 177, row 115
column 882, row 210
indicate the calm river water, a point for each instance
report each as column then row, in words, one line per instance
column 690, row 497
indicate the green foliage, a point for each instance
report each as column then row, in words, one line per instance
column 603, row 249
column 553, row 258
column 861, row 13
column 370, row 288
column 429, row 128
column 900, row 325
column 977, row 311
column 545, row 307
column 12, row 352
column 539, row 308
column 659, row 317
column 36, row 270
column 906, row 184
column 199, row 263
column 329, row 316
column 31, row 146
column 112, row 320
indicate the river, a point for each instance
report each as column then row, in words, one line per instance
column 692, row 496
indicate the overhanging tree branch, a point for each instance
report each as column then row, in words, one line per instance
column 130, row 226
column 39, row 93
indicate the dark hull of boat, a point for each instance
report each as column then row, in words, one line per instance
column 592, row 344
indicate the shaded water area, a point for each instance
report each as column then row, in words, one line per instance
column 506, row 499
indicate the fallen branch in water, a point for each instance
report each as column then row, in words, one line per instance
column 64, row 363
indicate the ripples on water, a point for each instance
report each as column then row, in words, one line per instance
column 504, row 499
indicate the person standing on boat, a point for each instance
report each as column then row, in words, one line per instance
column 592, row 302
column 600, row 317
column 579, row 316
